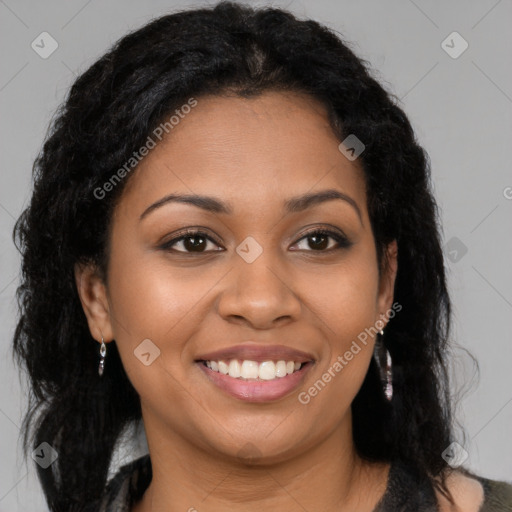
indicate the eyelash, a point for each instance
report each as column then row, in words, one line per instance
column 343, row 242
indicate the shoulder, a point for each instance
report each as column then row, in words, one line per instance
column 472, row 493
column 498, row 496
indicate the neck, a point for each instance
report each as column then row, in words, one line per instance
column 329, row 476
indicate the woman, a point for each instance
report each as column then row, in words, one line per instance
column 233, row 237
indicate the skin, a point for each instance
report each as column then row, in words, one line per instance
column 253, row 154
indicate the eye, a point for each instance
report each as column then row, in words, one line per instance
column 196, row 241
column 319, row 240
column 192, row 241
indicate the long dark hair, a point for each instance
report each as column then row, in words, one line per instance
column 110, row 111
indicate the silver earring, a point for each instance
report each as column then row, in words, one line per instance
column 103, row 353
column 384, row 362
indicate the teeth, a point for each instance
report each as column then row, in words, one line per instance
column 223, row 367
column 249, row 370
column 266, row 370
column 281, row 369
column 234, row 369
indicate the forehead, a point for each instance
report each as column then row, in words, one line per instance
column 248, row 151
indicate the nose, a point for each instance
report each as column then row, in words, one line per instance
column 259, row 294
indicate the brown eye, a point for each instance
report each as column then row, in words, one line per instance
column 318, row 240
column 190, row 242
column 194, row 243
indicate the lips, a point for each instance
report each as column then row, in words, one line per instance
column 258, row 353
column 262, row 388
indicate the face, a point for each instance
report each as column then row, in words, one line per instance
column 279, row 271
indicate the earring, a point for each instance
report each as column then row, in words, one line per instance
column 103, row 353
column 384, row 362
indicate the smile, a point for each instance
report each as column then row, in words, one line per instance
column 254, row 372
column 247, row 369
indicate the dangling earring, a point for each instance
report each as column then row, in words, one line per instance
column 103, row 353
column 384, row 362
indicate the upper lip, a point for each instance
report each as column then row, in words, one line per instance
column 258, row 353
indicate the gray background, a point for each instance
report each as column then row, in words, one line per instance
column 460, row 109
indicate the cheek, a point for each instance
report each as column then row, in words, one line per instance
column 146, row 302
column 345, row 300
column 153, row 302
column 149, row 301
column 151, row 297
column 348, row 315
column 343, row 296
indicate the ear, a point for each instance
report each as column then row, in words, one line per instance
column 387, row 280
column 94, row 298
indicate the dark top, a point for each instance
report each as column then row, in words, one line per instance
column 406, row 491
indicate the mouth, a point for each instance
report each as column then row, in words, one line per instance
column 252, row 370
column 254, row 373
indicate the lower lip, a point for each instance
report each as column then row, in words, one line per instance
column 253, row 390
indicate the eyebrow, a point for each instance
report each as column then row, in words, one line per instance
column 292, row 205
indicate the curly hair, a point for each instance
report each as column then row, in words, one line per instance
column 109, row 112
